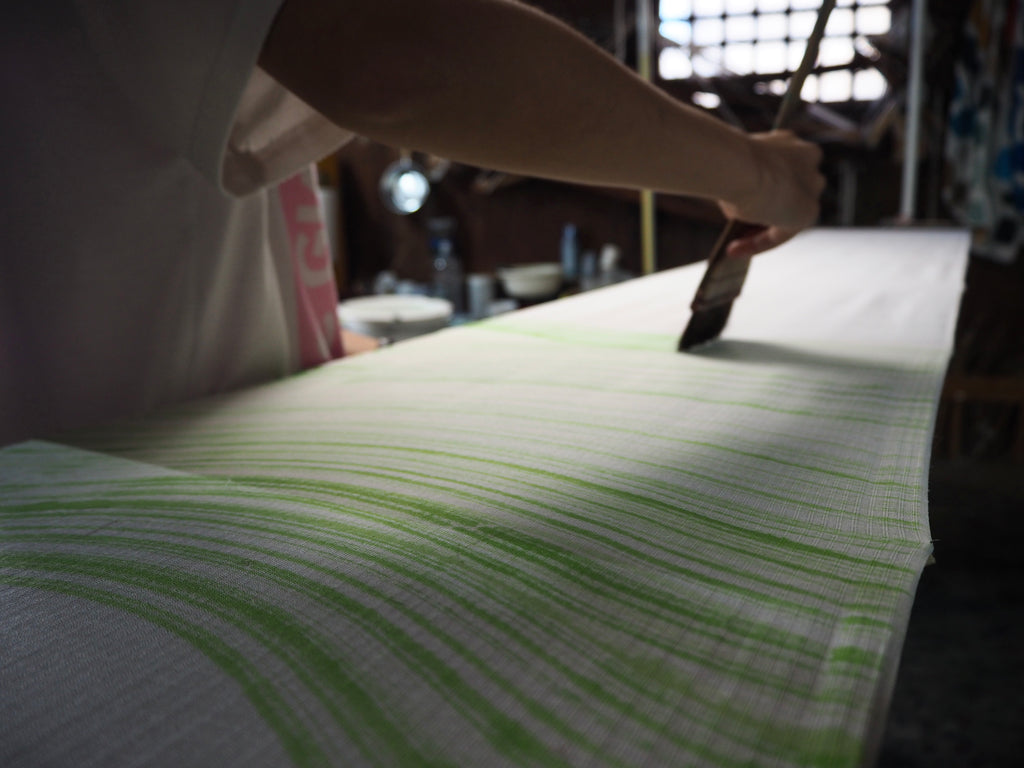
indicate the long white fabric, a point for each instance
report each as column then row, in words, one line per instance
column 545, row 539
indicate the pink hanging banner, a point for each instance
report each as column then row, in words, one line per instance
column 316, row 292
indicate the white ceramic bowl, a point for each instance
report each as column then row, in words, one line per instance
column 394, row 317
column 531, row 281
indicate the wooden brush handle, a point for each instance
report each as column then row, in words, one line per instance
column 733, row 229
column 796, row 83
column 724, row 277
column 723, row 280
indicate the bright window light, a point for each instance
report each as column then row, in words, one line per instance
column 801, row 24
column 770, row 57
column 840, row 22
column 674, row 64
column 708, row 32
column 772, row 26
column 677, row 32
column 810, row 90
column 708, row 63
column 835, row 86
column 674, row 9
column 835, row 51
column 739, row 58
column 740, row 6
column 740, row 29
column 706, row 100
column 796, row 55
column 767, row 37
column 868, row 85
column 873, row 20
column 708, row 7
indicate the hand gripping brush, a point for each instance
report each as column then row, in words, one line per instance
column 724, row 277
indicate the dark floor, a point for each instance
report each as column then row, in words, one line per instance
column 959, row 697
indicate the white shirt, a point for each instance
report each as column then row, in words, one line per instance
column 147, row 252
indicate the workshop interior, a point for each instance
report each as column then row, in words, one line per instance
column 532, row 525
column 955, row 700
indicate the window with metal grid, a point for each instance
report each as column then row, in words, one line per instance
column 714, row 38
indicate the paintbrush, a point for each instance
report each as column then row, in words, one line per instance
column 723, row 280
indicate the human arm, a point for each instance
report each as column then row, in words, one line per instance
column 498, row 84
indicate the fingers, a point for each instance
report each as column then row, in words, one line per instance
column 786, row 198
column 762, row 240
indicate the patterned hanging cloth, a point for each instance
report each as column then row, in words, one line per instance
column 985, row 141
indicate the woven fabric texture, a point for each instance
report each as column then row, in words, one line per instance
column 545, row 539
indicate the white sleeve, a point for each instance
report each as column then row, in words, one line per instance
column 189, row 67
column 274, row 133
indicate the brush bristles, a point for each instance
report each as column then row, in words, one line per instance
column 705, row 325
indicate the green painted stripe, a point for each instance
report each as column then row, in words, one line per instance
column 132, row 543
column 192, row 553
column 484, row 541
column 604, row 339
column 231, row 453
column 555, row 418
column 308, row 653
column 236, row 452
column 592, row 503
column 640, row 341
column 637, row 501
column 470, row 526
column 918, row 424
column 295, row 738
column 509, row 571
column 897, row 392
column 719, row 480
column 232, row 447
column 204, row 458
column 116, row 442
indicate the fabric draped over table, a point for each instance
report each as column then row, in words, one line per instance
column 543, row 539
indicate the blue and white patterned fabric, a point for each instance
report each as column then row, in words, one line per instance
column 985, row 140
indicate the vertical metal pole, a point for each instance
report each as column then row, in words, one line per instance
column 847, row 193
column 620, row 34
column 908, row 197
column 647, row 208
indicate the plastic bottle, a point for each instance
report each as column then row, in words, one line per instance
column 480, row 295
column 588, row 271
column 570, row 253
column 448, row 281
